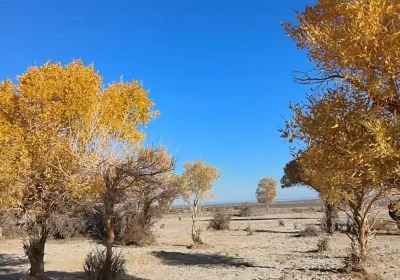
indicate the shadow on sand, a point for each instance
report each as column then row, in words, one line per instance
column 276, row 231
column 10, row 263
column 234, row 218
column 11, row 268
column 60, row 275
column 199, row 259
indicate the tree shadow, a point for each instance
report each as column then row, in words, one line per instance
column 276, row 231
column 10, row 263
column 235, row 218
column 199, row 259
column 387, row 233
column 61, row 275
column 12, row 267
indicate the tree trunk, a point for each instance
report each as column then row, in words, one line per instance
column 110, row 235
column 330, row 217
column 195, row 235
column 360, row 234
column 194, row 225
column 35, row 252
column 362, row 239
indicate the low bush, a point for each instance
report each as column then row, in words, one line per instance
column 249, row 230
column 309, row 231
column 220, row 221
column 353, row 262
column 323, row 244
column 10, row 225
column 281, row 223
column 63, row 226
column 133, row 230
column 246, row 211
column 366, row 276
column 93, row 265
column 384, row 225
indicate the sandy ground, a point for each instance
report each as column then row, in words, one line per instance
column 273, row 252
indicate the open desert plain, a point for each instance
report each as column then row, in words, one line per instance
column 272, row 249
column 200, row 140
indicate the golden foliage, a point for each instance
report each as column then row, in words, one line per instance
column 356, row 43
column 345, row 141
column 266, row 190
column 197, row 179
column 42, row 112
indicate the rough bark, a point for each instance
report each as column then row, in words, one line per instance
column 330, row 217
column 34, row 249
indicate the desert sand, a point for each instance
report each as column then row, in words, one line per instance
column 272, row 252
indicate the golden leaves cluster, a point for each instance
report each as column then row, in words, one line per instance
column 349, row 133
column 266, row 190
column 47, row 107
column 356, row 42
column 197, row 180
column 348, row 149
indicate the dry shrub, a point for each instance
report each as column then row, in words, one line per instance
column 95, row 224
column 196, row 238
column 281, row 223
column 246, row 211
column 366, row 276
column 309, row 231
column 9, row 224
column 353, row 262
column 220, row 221
column 93, row 265
column 323, row 244
column 249, row 230
column 132, row 229
column 383, row 225
column 63, row 226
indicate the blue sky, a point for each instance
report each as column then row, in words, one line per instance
column 219, row 71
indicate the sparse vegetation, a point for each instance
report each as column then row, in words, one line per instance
column 323, row 244
column 220, row 221
column 309, row 231
column 249, row 230
column 94, row 266
column 246, row 211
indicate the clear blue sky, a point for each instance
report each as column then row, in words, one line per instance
column 219, row 71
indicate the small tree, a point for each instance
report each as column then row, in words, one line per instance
column 195, row 183
column 122, row 177
column 294, row 175
column 266, row 191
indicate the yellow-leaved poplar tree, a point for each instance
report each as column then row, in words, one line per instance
column 339, row 131
column 294, row 175
column 266, row 191
column 195, row 185
column 40, row 114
